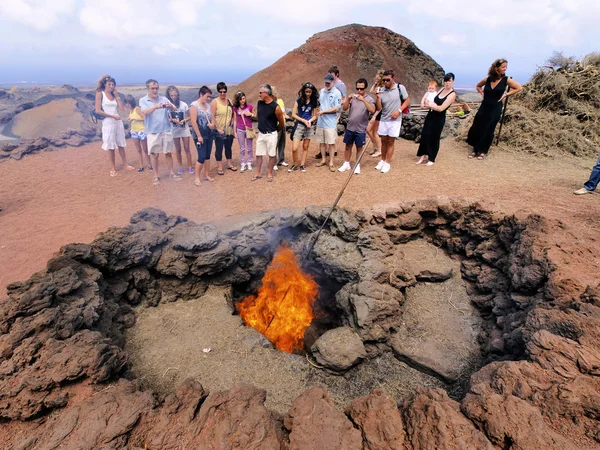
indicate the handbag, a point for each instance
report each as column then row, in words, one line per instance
column 250, row 133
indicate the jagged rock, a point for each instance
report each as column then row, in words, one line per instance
column 339, row 349
column 379, row 420
column 315, row 424
column 372, row 309
column 338, row 258
column 434, row 421
column 173, row 262
column 374, row 242
column 193, row 237
column 427, row 262
column 214, row 260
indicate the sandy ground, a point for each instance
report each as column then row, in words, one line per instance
column 54, row 198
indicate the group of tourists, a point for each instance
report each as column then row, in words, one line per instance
column 163, row 125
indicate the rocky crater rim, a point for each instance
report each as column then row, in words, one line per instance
column 537, row 385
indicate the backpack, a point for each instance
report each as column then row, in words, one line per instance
column 407, row 109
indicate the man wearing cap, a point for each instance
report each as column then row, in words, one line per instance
column 391, row 106
column 330, row 101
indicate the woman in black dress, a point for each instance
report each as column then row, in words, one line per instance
column 434, row 122
column 493, row 90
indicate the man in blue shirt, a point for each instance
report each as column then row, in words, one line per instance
column 330, row 102
column 158, row 128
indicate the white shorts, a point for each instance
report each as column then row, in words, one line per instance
column 179, row 132
column 266, row 144
column 160, row 143
column 390, row 128
column 326, row 135
column 113, row 134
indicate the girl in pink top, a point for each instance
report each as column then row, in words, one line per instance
column 241, row 121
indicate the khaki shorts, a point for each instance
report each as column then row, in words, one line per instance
column 326, row 135
column 266, row 144
column 160, row 143
column 303, row 132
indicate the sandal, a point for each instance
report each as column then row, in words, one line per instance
column 211, row 179
column 175, row 177
column 113, row 173
column 481, row 156
column 270, row 179
column 197, row 182
column 320, row 164
column 232, row 168
column 472, row 155
column 256, row 177
column 156, row 181
column 220, row 172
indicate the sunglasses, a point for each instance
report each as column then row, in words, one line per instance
column 360, row 89
column 387, row 79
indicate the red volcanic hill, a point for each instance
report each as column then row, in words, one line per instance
column 358, row 51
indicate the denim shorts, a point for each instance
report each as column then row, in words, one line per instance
column 141, row 135
column 352, row 137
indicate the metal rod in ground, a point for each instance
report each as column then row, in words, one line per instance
column 358, row 159
column 502, row 118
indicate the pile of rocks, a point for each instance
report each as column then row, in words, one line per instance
column 61, row 335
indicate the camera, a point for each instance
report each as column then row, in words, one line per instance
column 355, row 95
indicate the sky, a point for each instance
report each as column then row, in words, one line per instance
column 201, row 41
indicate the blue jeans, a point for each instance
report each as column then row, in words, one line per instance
column 592, row 183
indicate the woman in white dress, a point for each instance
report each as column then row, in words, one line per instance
column 108, row 104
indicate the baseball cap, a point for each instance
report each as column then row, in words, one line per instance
column 329, row 77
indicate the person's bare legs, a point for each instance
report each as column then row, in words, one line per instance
column 111, row 158
column 197, row 181
column 124, row 159
column 331, row 148
column 259, row 160
column 389, row 151
column 186, row 149
column 177, row 142
column 384, row 147
column 347, row 153
column 372, row 131
column 305, row 145
column 295, row 147
column 323, row 148
column 170, row 163
column 138, row 148
column 272, row 160
column 155, row 166
column 145, row 150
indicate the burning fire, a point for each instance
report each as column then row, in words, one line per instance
column 283, row 308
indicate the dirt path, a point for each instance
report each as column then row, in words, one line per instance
column 51, row 199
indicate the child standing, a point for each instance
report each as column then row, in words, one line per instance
column 242, row 121
column 136, row 127
column 430, row 94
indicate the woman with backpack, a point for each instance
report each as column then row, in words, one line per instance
column 221, row 111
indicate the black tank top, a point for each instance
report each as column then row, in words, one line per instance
column 267, row 119
column 492, row 95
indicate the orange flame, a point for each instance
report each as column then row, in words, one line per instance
column 283, row 308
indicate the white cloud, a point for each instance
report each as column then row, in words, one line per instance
column 457, row 40
column 41, row 14
column 162, row 50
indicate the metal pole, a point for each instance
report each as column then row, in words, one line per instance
column 502, row 118
column 338, row 198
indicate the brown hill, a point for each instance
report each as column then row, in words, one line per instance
column 358, row 51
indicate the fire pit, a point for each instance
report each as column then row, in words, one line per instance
column 402, row 298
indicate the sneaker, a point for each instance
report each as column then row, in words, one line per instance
column 140, row 170
column 293, row 168
column 180, row 172
column 191, row 171
column 373, row 151
column 318, row 156
column 344, row 167
column 284, row 164
column 275, row 167
column 385, row 168
column 150, row 168
column 379, row 165
column 242, row 168
column 357, row 169
column 376, row 153
column 302, row 169
column 582, row 191
column 249, row 167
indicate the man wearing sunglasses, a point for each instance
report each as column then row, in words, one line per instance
column 391, row 106
column 361, row 105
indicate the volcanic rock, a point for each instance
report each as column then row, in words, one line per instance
column 358, row 51
column 339, row 349
column 379, row 420
column 315, row 424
